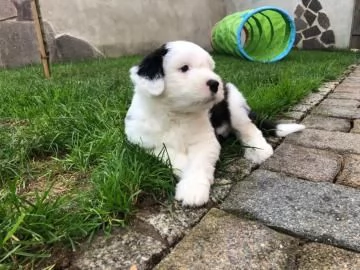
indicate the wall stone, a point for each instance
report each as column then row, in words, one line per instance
column 23, row 8
column 124, row 27
column 71, row 49
column 7, row 10
column 18, row 43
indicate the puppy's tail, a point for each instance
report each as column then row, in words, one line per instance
column 269, row 128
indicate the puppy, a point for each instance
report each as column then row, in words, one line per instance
column 181, row 104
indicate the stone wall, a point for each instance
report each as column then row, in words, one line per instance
column 82, row 29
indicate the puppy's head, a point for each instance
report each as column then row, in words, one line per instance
column 180, row 75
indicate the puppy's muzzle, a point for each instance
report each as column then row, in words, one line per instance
column 213, row 86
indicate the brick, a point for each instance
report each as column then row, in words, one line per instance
column 348, row 88
column 326, row 123
column 296, row 115
column 120, row 250
column 171, row 222
column 305, row 163
column 319, row 211
column 302, row 107
column 327, row 140
column 350, row 175
column 337, row 111
column 356, row 128
column 224, row 241
column 341, row 102
column 320, row 256
column 345, row 95
column 313, row 99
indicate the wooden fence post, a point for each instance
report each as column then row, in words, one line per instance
column 40, row 37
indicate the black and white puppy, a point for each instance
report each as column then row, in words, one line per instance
column 180, row 102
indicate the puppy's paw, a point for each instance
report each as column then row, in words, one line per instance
column 193, row 191
column 259, row 151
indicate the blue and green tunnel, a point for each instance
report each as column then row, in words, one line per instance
column 265, row 34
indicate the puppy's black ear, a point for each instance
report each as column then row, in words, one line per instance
column 148, row 76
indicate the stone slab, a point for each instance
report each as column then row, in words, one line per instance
column 327, row 87
column 356, row 127
column 350, row 175
column 355, row 73
column 302, row 107
column 319, row 256
column 7, row 10
column 172, row 222
column 220, row 189
column 319, row 211
column 223, row 241
column 327, row 140
column 348, row 87
column 235, row 168
column 120, row 250
column 313, row 99
column 335, row 111
column 324, row 90
column 310, row 164
column 341, row 102
column 296, row 115
column 352, row 79
column 345, row 95
column 326, row 123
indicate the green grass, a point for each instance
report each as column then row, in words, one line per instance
column 66, row 169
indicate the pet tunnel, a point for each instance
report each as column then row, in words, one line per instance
column 265, row 34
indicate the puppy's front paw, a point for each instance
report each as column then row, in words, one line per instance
column 193, row 191
column 259, row 151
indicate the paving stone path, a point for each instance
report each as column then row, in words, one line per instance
column 299, row 210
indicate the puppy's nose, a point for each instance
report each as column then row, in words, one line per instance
column 213, row 85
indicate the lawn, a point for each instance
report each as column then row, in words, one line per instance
column 66, row 169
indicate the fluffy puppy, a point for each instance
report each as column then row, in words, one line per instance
column 181, row 104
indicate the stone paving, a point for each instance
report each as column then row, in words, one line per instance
column 299, row 210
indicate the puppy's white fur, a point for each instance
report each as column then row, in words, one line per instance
column 257, row 149
column 174, row 113
column 173, row 110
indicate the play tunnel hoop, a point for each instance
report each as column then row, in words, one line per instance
column 238, row 32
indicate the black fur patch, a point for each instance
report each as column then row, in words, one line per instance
column 151, row 66
column 220, row 114
column 267, row 127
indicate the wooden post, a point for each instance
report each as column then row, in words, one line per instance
column 355, row 32
column 40, row 37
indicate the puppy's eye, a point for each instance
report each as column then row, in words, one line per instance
column 184, row 68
